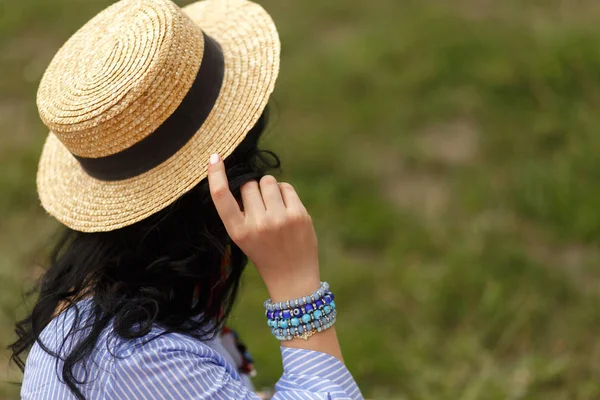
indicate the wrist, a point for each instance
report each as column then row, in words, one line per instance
column 293, row 288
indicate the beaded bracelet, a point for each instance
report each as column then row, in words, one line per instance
column 283, row 305
column 305, row 331
column 295, row 319
column 318, row 306
column 303, row 317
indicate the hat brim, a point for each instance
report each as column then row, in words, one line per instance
column 251, row 48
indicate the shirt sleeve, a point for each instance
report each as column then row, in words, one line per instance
column 177, row 373
column 308, row 373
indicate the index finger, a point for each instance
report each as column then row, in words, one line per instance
column 226, row 205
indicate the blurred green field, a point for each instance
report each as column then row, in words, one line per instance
column 449, row 154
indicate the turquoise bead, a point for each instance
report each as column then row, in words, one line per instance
column 327, row 309
column 283, row 323
column 318, row 314
column 295, row 321
column 332, row 304
column 306, row 318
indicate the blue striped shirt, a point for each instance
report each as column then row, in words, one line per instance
column 173, row 366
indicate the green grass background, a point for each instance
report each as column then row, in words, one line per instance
column 448, row 152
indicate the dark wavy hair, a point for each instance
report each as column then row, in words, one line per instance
column 167, row 270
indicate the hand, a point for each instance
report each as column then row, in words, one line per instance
column 274, row 230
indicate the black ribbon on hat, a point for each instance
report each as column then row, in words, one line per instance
column 174, row 132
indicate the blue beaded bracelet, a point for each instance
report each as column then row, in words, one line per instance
column 306, row 330
column 283, row 320
column 300, row 311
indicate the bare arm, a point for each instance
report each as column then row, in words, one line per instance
column 276, row 232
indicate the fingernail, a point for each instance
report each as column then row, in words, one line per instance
column 214, row 158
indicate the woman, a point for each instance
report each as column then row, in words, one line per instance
column 152, row 165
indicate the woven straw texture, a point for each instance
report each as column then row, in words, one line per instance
column 121, row 76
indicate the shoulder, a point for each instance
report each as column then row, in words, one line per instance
column 158, row 342
column 172, row 364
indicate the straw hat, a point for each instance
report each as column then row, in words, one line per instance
column 139, row 98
